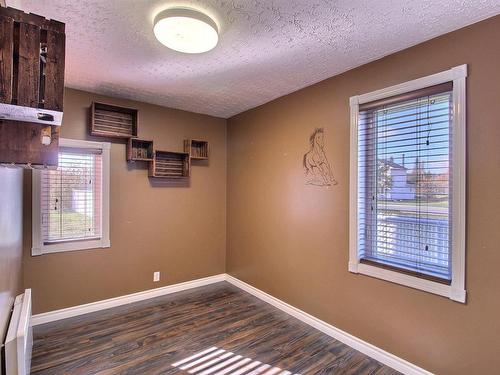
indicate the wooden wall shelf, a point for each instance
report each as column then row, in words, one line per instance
column 113, row 121
column 139, row 150
column 32, row 60
column 172, row 165
column 197, row 149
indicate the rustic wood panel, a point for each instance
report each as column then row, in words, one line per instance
column 21, row 143
column 54, row 71
column 25, row 83
column 6, row 53
column 148, row 337
column 28, row 77
column 32, row 19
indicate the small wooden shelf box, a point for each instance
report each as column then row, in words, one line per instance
column 196, row 148
column 172, row 165
column 139, row 150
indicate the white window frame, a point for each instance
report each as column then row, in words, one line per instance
column 38, row 247
column 455, row 291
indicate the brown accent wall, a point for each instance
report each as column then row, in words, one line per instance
column 11, row 241
column 177, row 229
column 291, row 240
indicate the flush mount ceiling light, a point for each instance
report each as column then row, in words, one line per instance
column 186, row 30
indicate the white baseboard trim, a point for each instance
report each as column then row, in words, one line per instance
column 70, row 312
column 370, row 350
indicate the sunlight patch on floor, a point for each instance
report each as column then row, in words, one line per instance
column 215, row 361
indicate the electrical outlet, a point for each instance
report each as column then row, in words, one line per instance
column 156, row 276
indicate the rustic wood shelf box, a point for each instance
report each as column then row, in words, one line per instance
column 196, row 148
column 108, row 120
column 32, row 54
column 139, row 150
column 167, row 164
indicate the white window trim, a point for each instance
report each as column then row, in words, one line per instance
column 455, row 291
column 38, row 247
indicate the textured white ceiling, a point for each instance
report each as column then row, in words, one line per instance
column 267, row 48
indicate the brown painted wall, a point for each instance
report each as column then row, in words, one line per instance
column 291, row 240
column 11, row 241
column 177, row 230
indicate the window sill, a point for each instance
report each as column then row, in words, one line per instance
column 69, row 246
column 409, row 281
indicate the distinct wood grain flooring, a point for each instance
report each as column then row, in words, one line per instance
column 149, row 337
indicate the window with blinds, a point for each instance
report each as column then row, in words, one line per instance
column 404, row 183
column 70, row 197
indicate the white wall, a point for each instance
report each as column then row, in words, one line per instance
column 11, row 244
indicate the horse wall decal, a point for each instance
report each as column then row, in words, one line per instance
column 316, row 166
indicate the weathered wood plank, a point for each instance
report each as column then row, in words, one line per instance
column 6, row 51
column 33, row 19
column 54, row 71
column 28, row 77
column 21, row 143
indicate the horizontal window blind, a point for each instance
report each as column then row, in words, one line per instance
column 404, row 182
column 71, row 197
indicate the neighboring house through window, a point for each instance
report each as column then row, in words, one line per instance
column 393, row 181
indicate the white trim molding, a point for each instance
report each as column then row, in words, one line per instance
column 73, row 311
column 354, row 342
column 38, row 247
column 19, row 339
column 456, row 291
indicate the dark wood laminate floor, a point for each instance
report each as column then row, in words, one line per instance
column 236, row 334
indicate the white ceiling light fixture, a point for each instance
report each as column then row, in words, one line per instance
column 186, row 30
